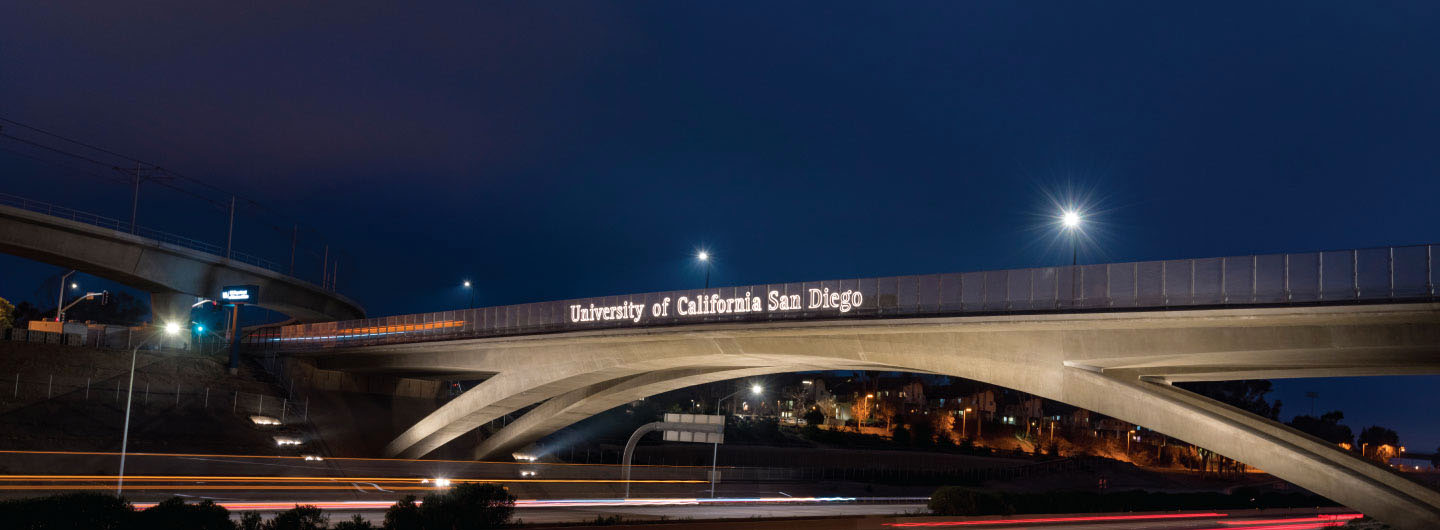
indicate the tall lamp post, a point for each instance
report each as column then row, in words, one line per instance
column 60, row 303
column 704, row 257
column 171, row 329
column 1070, row 219
column 467, row 286
column 715, row 452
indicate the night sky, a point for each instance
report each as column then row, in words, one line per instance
column 549, row 150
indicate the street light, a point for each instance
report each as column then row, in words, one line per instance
column 466, row 284
column 715, row 451
column 171, row 329
column 1070, row 220
column 704, row 257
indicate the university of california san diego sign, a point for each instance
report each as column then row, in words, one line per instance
column 713, row 304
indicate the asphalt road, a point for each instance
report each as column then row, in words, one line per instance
column 547, row 493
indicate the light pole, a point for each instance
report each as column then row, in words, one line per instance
column 467, row 286
column 60, row 301
column 170, row 330
column 964, row 414
column 704, row 257
column 1070, row 219
column 715, row 451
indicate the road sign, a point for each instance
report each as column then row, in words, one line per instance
column 686, row 435
column 240, row 294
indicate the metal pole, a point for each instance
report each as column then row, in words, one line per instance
column 207, row 397
column 60, row 300
column 230, row 234
column 135, row 199
column 707, row 274
column 325, row 267
column 714, row 458
column 49, row 385
column 294, row 237
column 125, row 438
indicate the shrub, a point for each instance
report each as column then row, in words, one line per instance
column 78, row 511
column 468, row 506
column 301, row 517
column 900, row 435
column 951, row 500
column 403, row 515
column 175, row 514
column 251, row 521
column 355, row 523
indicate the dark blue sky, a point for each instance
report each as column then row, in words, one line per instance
column 562, row 149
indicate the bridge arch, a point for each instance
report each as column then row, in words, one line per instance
column 1115, row 364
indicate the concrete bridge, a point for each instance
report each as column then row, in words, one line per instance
column 173, row 269
column 1109, row 338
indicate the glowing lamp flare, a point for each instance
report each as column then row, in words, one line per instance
column 1070, row 219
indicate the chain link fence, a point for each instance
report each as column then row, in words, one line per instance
column 160, row 393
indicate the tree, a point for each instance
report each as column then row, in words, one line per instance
column 468, row 506
column 403, row 515
column 1248, row 395
column 887, row 410
column 175, row 514
column 943, row 422
column 1375, row 436
column 814, row 417
column 301, row 517
column 6, row 312
column 23, row 313
column 251, row 521
column 922, row 433
column 1327, row 427
column 860, row 412
column 900, row 435
column 355, row 523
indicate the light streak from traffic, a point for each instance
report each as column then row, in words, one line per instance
column 354, row 458
column 1080, row 519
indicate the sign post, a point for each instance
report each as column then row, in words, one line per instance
column 700, row 428
column 237, row 296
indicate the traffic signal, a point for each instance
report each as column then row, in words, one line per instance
column 105, row 298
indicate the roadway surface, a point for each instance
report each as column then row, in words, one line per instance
column 548, row 493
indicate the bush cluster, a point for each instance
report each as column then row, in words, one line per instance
column 955, row 500
column 463, row 507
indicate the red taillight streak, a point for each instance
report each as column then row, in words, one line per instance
column 1316, row 519
column 1094, row 518
column 1305, row 526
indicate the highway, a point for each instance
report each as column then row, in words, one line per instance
column 548, row 493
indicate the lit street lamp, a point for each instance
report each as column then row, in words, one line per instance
column 704, row 257
column 171, row 329
column 715, row 451
column 467, row 286
column 1070, row 220
column 60, row 303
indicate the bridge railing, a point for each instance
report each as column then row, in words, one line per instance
column 1344, row 276
column 127, row 227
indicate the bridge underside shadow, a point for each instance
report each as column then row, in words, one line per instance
column 1117, row 364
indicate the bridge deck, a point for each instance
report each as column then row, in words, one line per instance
column 1372, row 275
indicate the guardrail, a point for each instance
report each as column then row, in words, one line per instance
column 127, row 227
column 1346, row 276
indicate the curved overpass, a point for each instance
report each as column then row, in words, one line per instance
column 1104, row 348
column 172, row 273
